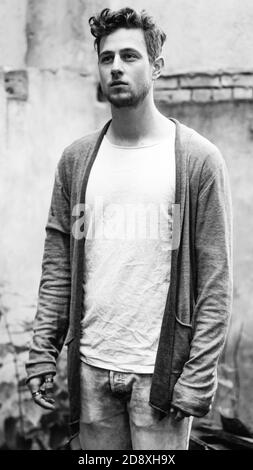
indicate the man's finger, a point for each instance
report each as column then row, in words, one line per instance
column 34, row 384
column 43, row 401
column 49, row 386
column 41, row 389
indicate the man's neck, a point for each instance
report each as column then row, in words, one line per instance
column 142, row 125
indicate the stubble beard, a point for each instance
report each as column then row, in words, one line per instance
column 130, row 100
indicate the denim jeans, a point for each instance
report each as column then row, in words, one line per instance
column 115, row 414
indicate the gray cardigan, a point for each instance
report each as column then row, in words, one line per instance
column 199, row 299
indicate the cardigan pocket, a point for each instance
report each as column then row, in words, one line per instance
column 182, row 344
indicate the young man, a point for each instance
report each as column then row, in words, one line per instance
column 137, row 274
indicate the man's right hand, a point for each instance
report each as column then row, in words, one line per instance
column 41, row 388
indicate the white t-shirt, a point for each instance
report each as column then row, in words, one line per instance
column 128, row 216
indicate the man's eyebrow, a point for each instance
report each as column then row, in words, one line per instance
column 130, row 49
column 126, row 49
column 106, row 52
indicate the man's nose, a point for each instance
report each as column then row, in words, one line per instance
column 117, row 66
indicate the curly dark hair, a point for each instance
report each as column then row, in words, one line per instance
column 108, row 21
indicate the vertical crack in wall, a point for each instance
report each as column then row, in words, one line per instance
column 28, row 32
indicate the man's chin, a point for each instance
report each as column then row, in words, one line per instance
column 126, row 99
column 122, row 101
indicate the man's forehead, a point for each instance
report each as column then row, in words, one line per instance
column 123, row 38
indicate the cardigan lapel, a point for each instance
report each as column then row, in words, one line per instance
column 78, row 251
column 160, row 396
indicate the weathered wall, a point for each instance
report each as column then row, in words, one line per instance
column 13, row 33
column 203, row 35
column 58, row 34
column 37, row 131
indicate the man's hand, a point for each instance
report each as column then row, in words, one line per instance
column 178, row 414
column 41, row 389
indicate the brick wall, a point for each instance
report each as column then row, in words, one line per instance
column 204, row 88
column 196, row 88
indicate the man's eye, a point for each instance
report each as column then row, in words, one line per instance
column 105, row 60
column 129, row 56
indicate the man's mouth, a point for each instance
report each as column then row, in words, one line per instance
column 117, row 83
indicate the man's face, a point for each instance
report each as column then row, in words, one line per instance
column 124, row 67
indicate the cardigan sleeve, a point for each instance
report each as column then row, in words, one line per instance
column 52, row 316
column 195, row 388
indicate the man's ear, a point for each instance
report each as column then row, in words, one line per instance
column 157, row 67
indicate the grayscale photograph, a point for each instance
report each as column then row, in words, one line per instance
column 126, row 248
